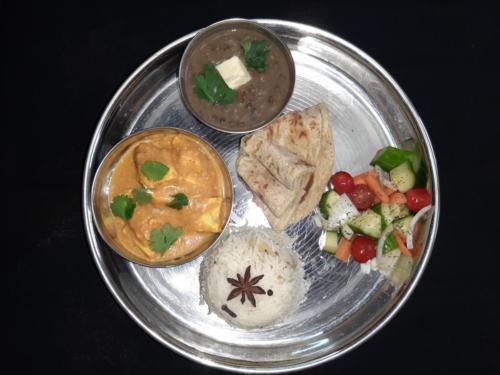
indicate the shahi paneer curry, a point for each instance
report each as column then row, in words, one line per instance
column 170, row 197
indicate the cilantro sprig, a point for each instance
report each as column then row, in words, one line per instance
column 256, row 52
column 162, row 238
column 141, row 195
column 210, row 86
column 154, row 170
column 123, row 207
column 180, row 200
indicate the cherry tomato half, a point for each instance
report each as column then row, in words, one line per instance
column 417, row 198
column 363, row 248
column 342, row 182
column 362, row 196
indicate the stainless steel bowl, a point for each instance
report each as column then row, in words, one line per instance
column 101, row 210
column 343, row 307
column 230, row 24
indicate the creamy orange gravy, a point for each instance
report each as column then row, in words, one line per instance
column 194, row 170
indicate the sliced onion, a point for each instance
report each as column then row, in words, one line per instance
column 369, row 266
column 322, row 240
column 381, row 241
column 317, row 219
column 365, row 268
column 413, row 222
column 384, row 178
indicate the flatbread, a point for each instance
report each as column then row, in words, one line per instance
column 276, row 196
column 308, row 136
column 298, row 132
column 286, row 167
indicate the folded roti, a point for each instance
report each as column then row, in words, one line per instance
column 277, row 197
column 306, row 135
column 286, row 167
column 299, row 132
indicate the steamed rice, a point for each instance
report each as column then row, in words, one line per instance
column 267, row 253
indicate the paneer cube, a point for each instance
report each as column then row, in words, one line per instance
column 234, row 72
column 210, row 219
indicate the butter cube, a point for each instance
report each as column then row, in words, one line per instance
column 233, row 72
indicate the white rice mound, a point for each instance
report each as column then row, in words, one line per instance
column 268, row 253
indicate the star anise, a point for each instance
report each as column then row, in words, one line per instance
column 246, row 287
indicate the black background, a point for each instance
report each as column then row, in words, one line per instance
column 61, row 65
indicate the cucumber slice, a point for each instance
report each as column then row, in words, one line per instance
column 330, row 242
column 393, row 211
column 390, row 157
column 368, row 223
column 390, row 244
column 390, row 212
column 403, row 177
column 327, row 201
column 347, row 232
column 388, row 261
column 403, row 225
column 378, row 209
column 422, row 173
column 402, row 270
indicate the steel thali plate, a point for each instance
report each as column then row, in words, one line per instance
column 343, row 307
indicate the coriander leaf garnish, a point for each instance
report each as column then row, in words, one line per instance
column 141, row 195
column 180, row 200
column 123, row 207
column 210, row 86
column 256, row 54
column 161, row 239
column 154, row 170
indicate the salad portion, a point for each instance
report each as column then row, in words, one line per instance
column 376, row 217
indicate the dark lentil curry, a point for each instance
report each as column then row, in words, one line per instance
column 259, row 100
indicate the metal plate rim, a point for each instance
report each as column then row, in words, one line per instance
column 377, row 325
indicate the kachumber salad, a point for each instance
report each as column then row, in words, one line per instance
column 376, row 217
